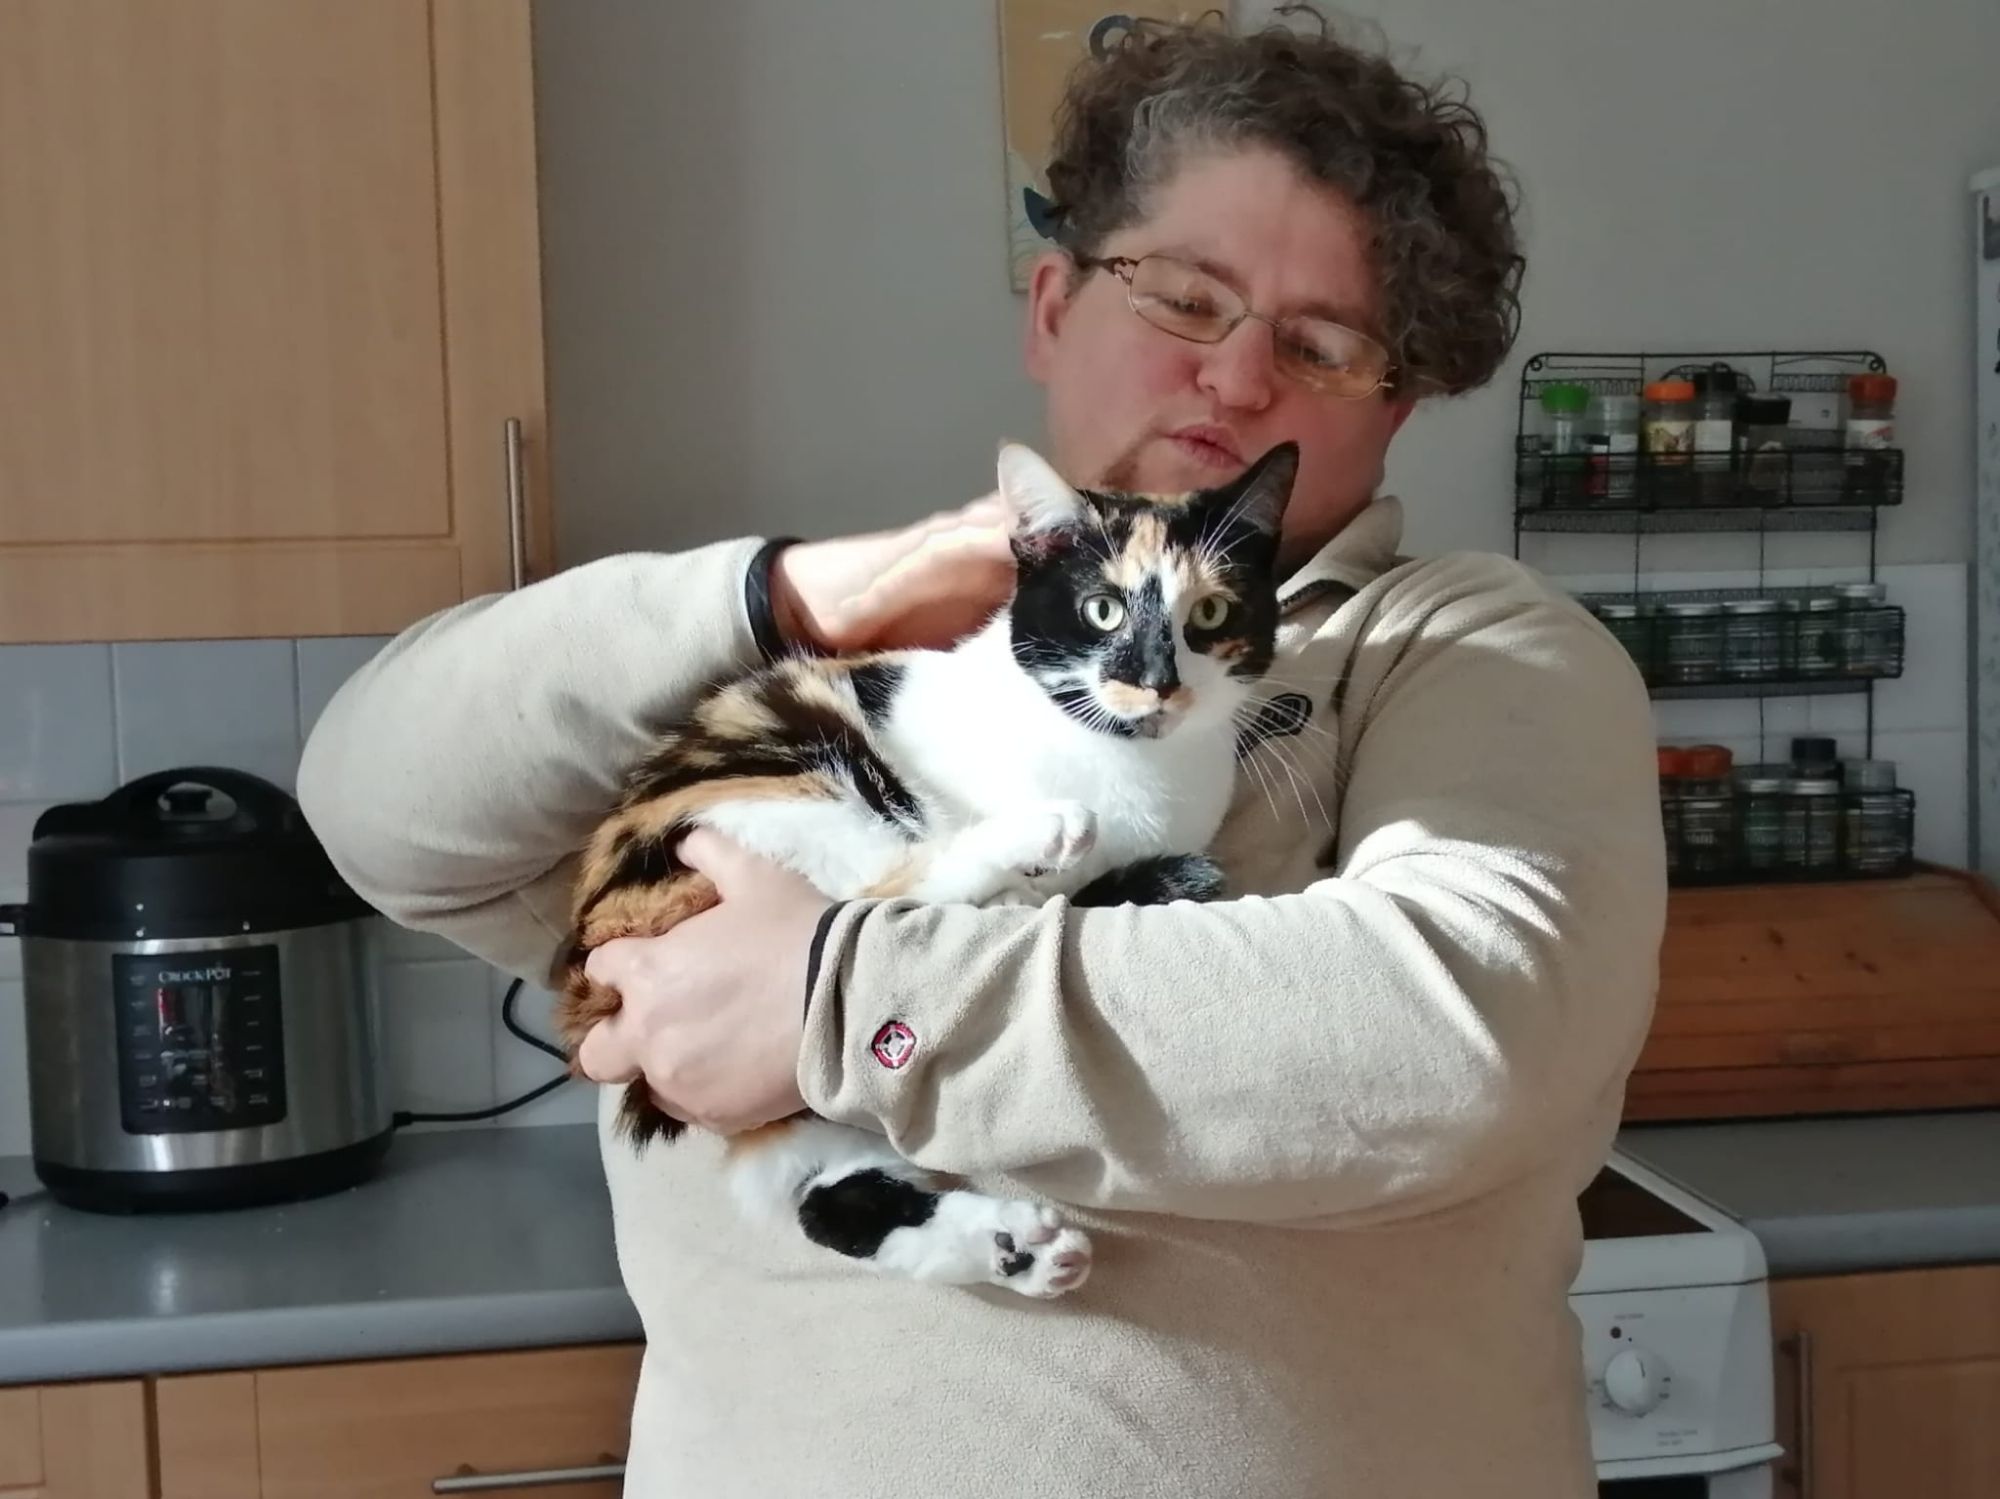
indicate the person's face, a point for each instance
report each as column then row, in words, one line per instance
column 1130, row 406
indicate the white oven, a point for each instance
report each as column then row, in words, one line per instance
column 1675, row 1309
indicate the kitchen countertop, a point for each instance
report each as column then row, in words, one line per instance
column 465, row 1240
column 1825, row 1196
column 500, row 1238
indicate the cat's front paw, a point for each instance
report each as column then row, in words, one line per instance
column 1055, row 837
column 1037, row 1254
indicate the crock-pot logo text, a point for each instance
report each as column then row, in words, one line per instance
column 220, row 973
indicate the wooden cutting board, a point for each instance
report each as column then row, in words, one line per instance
column 1822, row 999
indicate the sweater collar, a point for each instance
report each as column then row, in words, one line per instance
column 1358, row 553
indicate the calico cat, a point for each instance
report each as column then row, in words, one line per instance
column 1082, row 744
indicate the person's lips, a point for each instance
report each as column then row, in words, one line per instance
column 1212, row 447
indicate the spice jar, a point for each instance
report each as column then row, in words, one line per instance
column 1867, row 630
column 1563, row 405
column 1818, row 640
column 1673, row 770
column 1611, row 439
column 1762, row 447
column 1871, row 411
column 1876, row 819
column 1668, row 433
column 1707, row 813
column 1752, row 638
column 1760, row 810
column 1690, row 648
column 1630, row 631
column 1812, row 825
column 1815, row 755
column 1715, row 398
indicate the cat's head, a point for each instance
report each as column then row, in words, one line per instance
column 1140, row 614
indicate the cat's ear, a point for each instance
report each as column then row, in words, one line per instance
column 1037, row 493
column 1258, row 499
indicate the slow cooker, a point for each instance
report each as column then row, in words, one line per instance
column 203, row 1021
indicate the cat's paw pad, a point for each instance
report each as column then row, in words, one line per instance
column 1039, row 1255
column 1055, row 837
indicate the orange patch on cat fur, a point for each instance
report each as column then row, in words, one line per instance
column 737, row 713
column 1140, row 557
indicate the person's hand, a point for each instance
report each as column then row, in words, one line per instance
column 924, row 585
column 713, row 1011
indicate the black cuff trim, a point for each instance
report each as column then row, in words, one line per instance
column 757, row 598
column 818, row 950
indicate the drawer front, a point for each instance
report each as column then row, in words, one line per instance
column 74, row 1441
column 548, row 1424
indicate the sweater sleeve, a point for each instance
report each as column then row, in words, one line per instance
column 1468, row 984
column 453, row 778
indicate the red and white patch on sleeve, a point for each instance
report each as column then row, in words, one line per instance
column 894, row 1045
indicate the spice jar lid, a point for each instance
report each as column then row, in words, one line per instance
column 1764, row 782
column 1869, row 775
column 1813, row 750
column 1874, row 593
column 1750, row 606
column 1618, row 407
column 1565, row 396
column 1819, row 603
column 1673, row 762
column 1717, row 380
column 1814, row 786
column 1871, row 387
column 1691, row 608
column 1617, row 611
column 1709, row 762
column 1670, row 390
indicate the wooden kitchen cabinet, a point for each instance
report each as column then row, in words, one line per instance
column 1889, row 1384
column 271, row 293
column 75, row 1441
column 389, row 1430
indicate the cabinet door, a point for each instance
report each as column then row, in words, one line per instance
column 74, row 1441
column 489, row 1423
column 271, row 293
column 1896, row 1383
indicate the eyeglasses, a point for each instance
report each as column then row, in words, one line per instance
column 1189, row 303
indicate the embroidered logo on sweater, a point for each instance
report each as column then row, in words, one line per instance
column 894, row 1045
column 1272, row 718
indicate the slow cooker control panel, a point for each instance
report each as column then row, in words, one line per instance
column 199, row 1042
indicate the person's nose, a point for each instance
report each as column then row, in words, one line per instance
column 1241, row 371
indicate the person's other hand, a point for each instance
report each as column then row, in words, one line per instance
column 923, row 585
column 713, row 1012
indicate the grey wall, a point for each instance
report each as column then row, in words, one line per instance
column 776, row 280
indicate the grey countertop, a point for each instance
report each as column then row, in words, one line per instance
column 501, row 1238
column 1839, row 1194
column 470, row 1239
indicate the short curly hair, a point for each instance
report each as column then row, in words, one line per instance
column 1412, row 156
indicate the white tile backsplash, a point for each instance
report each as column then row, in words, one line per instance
column 232, row 703
column 437, row 1022
column 323, row 665
column 56, row 739
column 518, row 1067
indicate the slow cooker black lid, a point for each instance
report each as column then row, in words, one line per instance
column 196, row 851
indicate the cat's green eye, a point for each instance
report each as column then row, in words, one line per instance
column 1104, row 611
column 1210, row 612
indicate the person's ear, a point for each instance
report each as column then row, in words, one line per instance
column 1049, row 287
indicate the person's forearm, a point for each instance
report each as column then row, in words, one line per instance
column 453, row 778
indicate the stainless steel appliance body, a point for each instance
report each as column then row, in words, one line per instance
column 203, row 1015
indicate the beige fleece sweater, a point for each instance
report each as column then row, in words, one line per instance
column 1327, row 1136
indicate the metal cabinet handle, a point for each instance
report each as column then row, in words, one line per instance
column 1799, row 1345
column 517, row 506
column 465, row 1481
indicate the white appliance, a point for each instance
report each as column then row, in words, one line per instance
column 1674, row 1300
column 1986, row 571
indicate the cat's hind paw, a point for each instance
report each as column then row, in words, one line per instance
column 1039, row 1256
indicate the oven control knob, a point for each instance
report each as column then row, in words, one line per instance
column 1635, row 1380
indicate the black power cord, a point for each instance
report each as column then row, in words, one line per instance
column 514, row 1027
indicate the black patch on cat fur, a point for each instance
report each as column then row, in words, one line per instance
column 1154, row 882
column 875, row 684
column 854, row 1215
column 642, row 1121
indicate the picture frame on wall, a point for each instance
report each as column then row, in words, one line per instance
column 1041, row 41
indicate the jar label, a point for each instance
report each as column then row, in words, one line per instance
column 1669, row 435
column 1714, row 436
column 1871, row 432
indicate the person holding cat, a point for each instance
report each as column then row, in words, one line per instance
column 1322, row 1131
